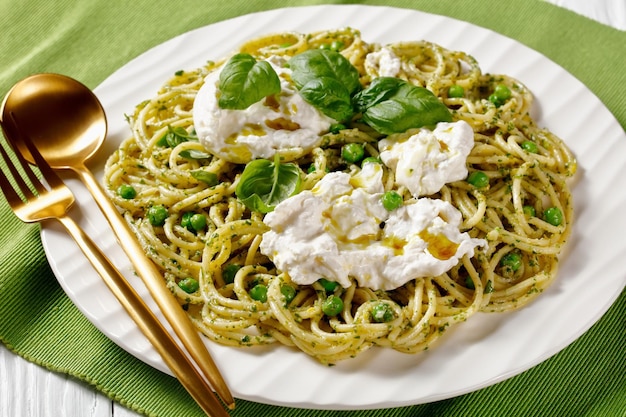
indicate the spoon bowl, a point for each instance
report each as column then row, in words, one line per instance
column 61, row 116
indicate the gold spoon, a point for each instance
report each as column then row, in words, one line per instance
column 67, row 124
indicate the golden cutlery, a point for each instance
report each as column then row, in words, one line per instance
column 39, row 203
column 67, row 123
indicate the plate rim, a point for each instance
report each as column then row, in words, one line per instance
column 101, row 91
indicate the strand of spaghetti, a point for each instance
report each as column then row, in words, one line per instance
column 415, row 333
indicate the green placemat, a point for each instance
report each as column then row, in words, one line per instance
column 90, row 40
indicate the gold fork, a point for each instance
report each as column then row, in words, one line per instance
column 39, row 203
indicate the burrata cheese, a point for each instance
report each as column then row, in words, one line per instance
column 283, row 123
column 424, row 160
column 340, row 231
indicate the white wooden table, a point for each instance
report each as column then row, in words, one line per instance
column 27, row 390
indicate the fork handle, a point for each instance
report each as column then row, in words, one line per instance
column 153, row 279
column 147, row 322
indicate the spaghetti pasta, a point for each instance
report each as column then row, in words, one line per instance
column 527, row 169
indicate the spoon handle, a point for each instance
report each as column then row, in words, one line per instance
column 147, row 322
column 153, row 280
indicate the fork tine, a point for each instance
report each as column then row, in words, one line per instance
column 26, row 191
column 7, row 189
column 46, row 171
column 39, row 160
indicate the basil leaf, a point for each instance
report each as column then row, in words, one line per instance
column 263, row 184
column 195, row 154
column 317, row 63
column 244, row 81
column 326, row 80
column 410, row 91
column 175, row 136
column 405, row 108
column 206, row 177
column 379, row 89
column 329, row 96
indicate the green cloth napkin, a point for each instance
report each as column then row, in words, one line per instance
column 89, row 40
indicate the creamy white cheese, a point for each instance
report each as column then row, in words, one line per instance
column 424, row 161
column 340, row 230
column 382, row 63
column 288, row 125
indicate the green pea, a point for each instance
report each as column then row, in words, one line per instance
column 391, row 200
column 288, row 292
column 502, row 92
column 312, row 168
column 553, row 215
column 329, row 286
column 229, row 272
column 372, row 160
column 335, row 128
column 332, row 305
column 478, row 179
column 157, row 215
column 337, row 46
column 529, row 211
column 352, row 152
column 185, row 220
column 259, row 293
column 495, row 100
column 126, row 191
column 382, row 313
column 456, row 91
column 529, row 146
column 189, row 285
column 512, row 261
column 193, row 222
column 198, row 222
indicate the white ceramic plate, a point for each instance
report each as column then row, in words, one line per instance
column 478, row 353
